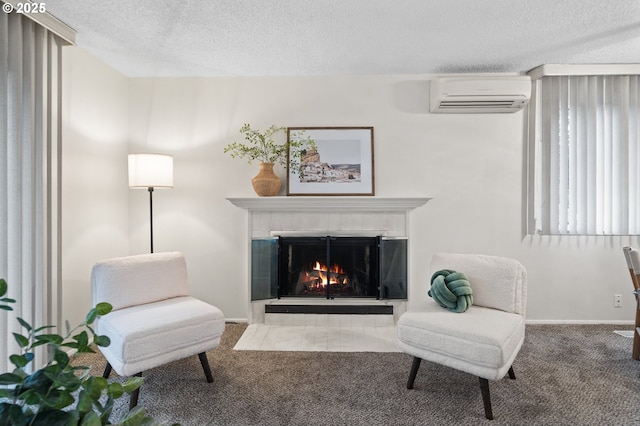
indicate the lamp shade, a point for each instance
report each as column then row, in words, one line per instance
column 150, row 171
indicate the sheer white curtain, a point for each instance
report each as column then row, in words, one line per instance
column 586, row 134
column 29, row 161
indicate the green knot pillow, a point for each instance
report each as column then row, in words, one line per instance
column 451, row 290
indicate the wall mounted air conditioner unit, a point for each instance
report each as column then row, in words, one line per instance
column 479, row 94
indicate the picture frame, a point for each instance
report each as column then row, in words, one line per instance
column 342, row 163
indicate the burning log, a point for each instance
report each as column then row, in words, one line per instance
column 320, row 277
column 317, row 277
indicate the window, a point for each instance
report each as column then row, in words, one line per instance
column 585, row 155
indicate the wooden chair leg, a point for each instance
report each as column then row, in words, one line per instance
column 486, row 398
column 133, row 400
column 635, row 354
column 107, row 371
column 636, row 336
column 414, row 371
column 512, row 374
column 205, row 366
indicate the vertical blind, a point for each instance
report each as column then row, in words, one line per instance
column 29, row 159
column 587, row 155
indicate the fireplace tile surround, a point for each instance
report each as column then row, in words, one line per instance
column 321, row 216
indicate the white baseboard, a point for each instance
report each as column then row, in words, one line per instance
column 580, row 322
column 531, row 322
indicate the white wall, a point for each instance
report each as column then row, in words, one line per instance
column 94, row 176
column 471, row 164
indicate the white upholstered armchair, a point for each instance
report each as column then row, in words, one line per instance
column 154, row 321
column 485, row 339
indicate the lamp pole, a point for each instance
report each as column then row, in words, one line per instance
column 151, row 215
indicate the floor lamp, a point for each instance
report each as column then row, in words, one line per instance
column 150, row 171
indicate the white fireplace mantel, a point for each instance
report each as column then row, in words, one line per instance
column 328, row 203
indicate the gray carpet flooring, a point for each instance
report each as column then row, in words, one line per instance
column 566, row 375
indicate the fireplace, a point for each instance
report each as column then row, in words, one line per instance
column 329, row 267
column 269, row 218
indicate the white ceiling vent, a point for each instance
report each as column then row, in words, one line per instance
column 479, row 94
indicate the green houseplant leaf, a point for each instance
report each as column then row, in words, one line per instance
column 4, row 288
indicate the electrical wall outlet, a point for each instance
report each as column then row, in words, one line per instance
column 617, row 301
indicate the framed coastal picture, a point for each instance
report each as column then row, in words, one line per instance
column 341, row 163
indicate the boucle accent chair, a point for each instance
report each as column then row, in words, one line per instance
column 485, row 339
column 154, row 321
column 632, row 256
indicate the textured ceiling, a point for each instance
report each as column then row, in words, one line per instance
column 153, row 38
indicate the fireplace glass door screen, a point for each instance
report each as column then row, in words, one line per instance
column 329, row 267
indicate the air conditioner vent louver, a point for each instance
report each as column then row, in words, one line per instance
column 479, row 94
column 476, row 104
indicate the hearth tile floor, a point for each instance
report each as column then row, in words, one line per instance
column 318, row 338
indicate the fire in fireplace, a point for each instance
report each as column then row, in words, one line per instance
column 316, row 279
column 352, row 270
column 329, row 267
